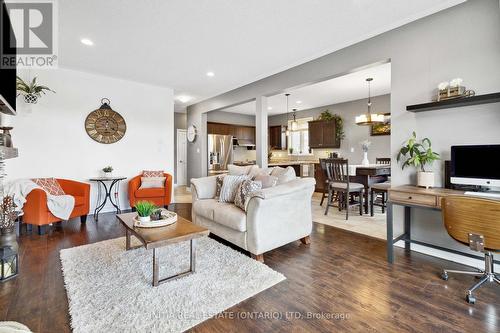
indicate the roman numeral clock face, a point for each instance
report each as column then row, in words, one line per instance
column 105, row 126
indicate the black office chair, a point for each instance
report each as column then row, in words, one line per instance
column 474, row 222
column 337, row 170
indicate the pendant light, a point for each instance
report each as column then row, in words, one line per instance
column 295, row 125
column 369, row 118
column 287, row 131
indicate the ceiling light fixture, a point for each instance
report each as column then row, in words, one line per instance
column 295, row 124
column 287, row 131
column 183, row 98
column 369, row 118
column 210, row 74
column 299, row 102
column 269, row 108
column 86, row 41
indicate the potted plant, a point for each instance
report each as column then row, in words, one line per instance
column 145, row 209
column 365, row 145
column 339, row 123
column 108, row 171
column 32, row 91
column 8, row 239
column 419, row 155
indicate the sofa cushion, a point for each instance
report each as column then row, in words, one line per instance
column 49, row 185
column 152, row 173
column 150, row 192
column 266, row 180
column 236, row 170
column 223, row 213
column 284, row 174
column 230, row 186
column 244, row 191
column 218, row 185
column 79, row 200
column 152, row 182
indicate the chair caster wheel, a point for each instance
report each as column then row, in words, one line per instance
column 444, row 276
column 470, row 299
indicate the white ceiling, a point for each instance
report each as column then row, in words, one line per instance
column 345, row 88
column 174, row 43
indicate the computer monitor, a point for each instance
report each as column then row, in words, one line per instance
column 475, row 165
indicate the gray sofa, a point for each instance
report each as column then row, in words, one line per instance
column 275, row 217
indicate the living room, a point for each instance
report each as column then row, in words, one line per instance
column 113, row 222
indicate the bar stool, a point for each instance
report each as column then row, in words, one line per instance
column 474, row 222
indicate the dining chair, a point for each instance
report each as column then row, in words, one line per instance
column 378, row 191
column 337, row 170
column 325, row 185
column 474, row 222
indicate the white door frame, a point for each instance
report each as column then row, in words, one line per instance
column 181, row 164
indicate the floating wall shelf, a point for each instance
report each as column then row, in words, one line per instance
column 455, row 103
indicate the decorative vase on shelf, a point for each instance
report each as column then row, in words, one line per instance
column 30, row 99
column 365, row 159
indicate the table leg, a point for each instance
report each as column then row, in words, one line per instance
column 101, row 206
column 156, row 269
column 390, row 234
column 407, row 227
column 192, row 266
column 193, row 256
column 127, row 239
column 113, row 183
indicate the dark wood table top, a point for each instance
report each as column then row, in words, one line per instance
column 180, row 231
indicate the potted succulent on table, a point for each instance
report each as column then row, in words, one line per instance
column 145, row 209
column 31, row 91
column 108, row 171
column 419, row 155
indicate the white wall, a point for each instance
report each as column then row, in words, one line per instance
column 52, row 140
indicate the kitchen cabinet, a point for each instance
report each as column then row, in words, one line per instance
column 246, row 133
column 322, row 134
column 277, row 140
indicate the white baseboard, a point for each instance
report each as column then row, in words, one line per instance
column 464, row 260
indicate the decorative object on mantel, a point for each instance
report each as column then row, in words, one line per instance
column 369, row 118
column 453, row 89
column 383, row 128
column 32, row 91
column 418, row 155
column 108, row 171
column 365, row 145
column 455, row 103
column 339, row 123
column 105, row 125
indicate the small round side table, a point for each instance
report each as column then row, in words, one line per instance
column 102, row 198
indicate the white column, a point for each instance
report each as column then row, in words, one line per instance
column 261, row 130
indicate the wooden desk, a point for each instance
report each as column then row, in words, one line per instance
column 409, row 197
column 369, row 175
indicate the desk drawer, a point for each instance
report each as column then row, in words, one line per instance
column 413, row 198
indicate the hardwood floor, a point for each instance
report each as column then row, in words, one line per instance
column 338, row 273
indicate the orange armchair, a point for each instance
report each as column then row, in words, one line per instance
column 161, row 197
column 37, row 213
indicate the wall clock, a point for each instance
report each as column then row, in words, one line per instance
column 105, row 125
column 192, row 132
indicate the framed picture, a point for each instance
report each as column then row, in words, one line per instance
column 382, row 129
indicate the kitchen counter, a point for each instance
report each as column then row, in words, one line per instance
column 284, row 163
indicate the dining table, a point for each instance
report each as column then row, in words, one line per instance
column 367, row 175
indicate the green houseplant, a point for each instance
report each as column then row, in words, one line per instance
column 145, row 209
column 108, row 171
column 419, row 154
column 31, row 91
column 339, row 123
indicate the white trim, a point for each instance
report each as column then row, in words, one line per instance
column 180, row 131
column 464, row 260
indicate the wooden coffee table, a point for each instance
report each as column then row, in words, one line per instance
column 153, row 238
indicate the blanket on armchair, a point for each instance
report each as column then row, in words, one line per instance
column 60, row 206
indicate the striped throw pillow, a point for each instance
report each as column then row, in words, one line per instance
column 230, row 186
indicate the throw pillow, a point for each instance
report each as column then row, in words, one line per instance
column 149, row 173
column 218, row 184
column 254, row 171
column 230, row 186
column 49, row 185
column 287, row 175
column 277, row 171
column 266, row 180
column 152, row 182
column 246, row 188
column 236, row 170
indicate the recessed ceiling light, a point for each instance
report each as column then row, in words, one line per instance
column 183, row 98
column 299, row 102
column 269, row 107
column 210, row 74
column 87, row 41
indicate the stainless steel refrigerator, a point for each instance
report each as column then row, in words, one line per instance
column 220, row 153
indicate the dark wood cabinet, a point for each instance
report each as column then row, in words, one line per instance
column 322, row 134
column 276, row 138
column 246, row 133
column 320, row 177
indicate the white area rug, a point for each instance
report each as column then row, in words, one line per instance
column 109, row 289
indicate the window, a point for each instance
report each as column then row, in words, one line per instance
column 299, row 139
